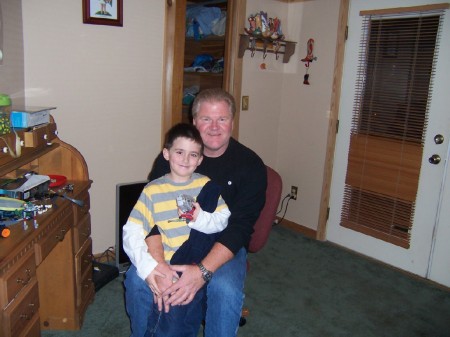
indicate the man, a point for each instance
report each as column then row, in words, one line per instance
column 243, row 178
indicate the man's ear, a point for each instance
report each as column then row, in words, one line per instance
column 166, row 154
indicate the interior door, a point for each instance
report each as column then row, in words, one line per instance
column 428, row 254
column 174, row 46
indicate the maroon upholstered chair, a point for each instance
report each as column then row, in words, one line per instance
column 267, row 216
column 264, row 224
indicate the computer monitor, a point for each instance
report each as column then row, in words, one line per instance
column 127, row 195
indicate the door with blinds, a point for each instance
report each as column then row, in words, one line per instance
column 388, row 187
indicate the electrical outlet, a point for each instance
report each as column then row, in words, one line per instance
column 294, row 190
column 245, row 103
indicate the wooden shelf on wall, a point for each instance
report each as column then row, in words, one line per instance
column 266, row 45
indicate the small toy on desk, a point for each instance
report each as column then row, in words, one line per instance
column 4, row 231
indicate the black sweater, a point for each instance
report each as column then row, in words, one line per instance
column 243, row 178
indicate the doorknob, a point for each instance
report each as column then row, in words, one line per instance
column 439, row 139
column 434, row 159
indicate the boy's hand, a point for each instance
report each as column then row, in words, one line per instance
column 159, row 280
column 196, row 211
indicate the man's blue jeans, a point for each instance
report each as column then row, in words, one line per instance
column 225, row 297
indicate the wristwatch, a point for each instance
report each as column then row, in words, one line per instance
column 206, row 274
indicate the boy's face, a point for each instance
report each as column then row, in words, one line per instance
column 184, row 157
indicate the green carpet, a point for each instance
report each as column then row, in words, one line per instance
column 304, row 288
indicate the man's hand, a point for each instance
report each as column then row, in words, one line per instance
column 183, row 291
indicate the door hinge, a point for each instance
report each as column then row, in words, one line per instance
column 337, row 126
column 346, row 33
column 328, row 213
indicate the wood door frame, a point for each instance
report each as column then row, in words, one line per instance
column 334, row 119
column 174, row 44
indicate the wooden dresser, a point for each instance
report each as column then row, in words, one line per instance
column 46, row 269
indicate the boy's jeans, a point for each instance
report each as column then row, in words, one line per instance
column 225, row 299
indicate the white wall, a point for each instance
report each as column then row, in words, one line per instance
column 11, row 38
column 288, row 119
column 106, row 84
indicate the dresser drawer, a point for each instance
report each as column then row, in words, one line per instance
column 21, row 313
column 82, row 231
column 86, row 288
column 83, row 259
column 83, row 271
column 80, row 212
column 18, row 277
column 89, row 297
column 40, row 136
column 33, row 329
column 53, row 237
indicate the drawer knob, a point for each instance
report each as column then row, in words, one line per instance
column 22, row 281
column 25, row 317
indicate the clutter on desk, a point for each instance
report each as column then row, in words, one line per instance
column 24, row 126
column 25, row 197
column 30, row 116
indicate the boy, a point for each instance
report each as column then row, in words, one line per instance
column 156, row 213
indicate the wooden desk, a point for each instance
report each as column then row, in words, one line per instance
column 46, row 271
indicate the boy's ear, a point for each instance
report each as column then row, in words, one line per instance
column 166, row 154
column 200, row 160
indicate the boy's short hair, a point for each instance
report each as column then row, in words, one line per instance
column 184, row 130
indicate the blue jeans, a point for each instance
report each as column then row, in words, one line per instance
column 225, row 297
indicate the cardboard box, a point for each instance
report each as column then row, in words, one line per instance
column 30, row 116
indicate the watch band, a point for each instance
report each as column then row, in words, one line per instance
column 206, row 274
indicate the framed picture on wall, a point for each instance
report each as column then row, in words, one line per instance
column 103, row 12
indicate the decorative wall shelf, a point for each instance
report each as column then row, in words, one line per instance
column 265, row 45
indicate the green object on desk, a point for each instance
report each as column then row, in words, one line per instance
column 5, row 100
column 5, row 111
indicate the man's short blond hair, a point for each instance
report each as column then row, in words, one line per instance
column 213, row 95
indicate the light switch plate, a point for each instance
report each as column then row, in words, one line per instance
column 245, row 103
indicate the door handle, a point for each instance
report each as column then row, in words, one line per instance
column 434, row 159
column 439, row 139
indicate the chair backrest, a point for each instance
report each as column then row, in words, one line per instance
column 265, row 221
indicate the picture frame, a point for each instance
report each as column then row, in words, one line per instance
column 103, row 12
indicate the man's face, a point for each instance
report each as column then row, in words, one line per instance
column 215, row 123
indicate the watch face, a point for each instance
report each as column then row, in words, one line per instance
column 207, row 276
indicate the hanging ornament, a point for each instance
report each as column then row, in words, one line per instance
column 308, row 59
